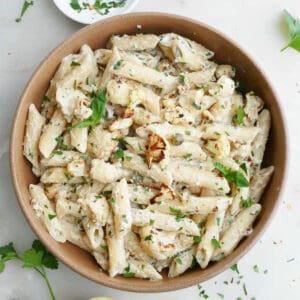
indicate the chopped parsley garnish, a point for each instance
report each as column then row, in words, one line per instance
column 148, row 238
column 111, row 200
column 246, row 202
column 151, row 222
column 46, row 98
column 244, row 168
column 218, row 221
column 104, row 247
column 181, row 78
column 57, row 152
column 127, row 273
column 197, row 239
column 98, row 108
column 232, row 176
column 202, row 223
column 68, row 176
column 106, row 193
column 60, row 143
column 215, row 243
column 198, row 107
column 128, row 158
column 25, row 6
column 187, row 132
column 239, row 117
column 188, row 156
column 178, row 260
column 119, row 154
column 117, row 65
column 51, row 216
column 74, row 64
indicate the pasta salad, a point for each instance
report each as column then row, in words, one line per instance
column 148, row 156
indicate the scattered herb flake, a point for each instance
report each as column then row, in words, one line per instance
column 118, row 64
column 51, row 216
column 255, row 269
column 246, row 202
column 74, row 64
column 239, row 117
column 235, row 268
column 25, row 6
column 119, row 154
column 197, row 239
column 215, row 243
column 244, row 168
column 181, row 78
column 245, row 289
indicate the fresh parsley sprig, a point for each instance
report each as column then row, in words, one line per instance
column 232, row 176
column 98, row 109
column 37, row 258
column 293, row 25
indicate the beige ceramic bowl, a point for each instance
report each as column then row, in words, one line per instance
column 250, row 77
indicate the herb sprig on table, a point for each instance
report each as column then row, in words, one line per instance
column 37, row 258
column 293, row 25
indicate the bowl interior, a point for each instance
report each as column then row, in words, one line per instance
column 226, row 51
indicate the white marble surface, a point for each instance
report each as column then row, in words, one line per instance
column 252, row 23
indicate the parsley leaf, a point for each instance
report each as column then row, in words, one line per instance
column 98, row 108
column 117, row 65
column 119, row 154
column 148, row 238
column 246, row 202
column 244, row 168
column 239, row 117
column 60, row 143
column 26, row 4
column 75, row 64
column 127, row 273
column 75, row 5
column 181, row 78
column 7, row 249
column 232, row 176
column 293, row 25
column 177, row 212
column 32, row 258
column 215, row 243
column 197, row 239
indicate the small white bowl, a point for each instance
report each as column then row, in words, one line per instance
column 87, row 16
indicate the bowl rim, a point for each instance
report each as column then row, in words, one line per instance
column 179, row 282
